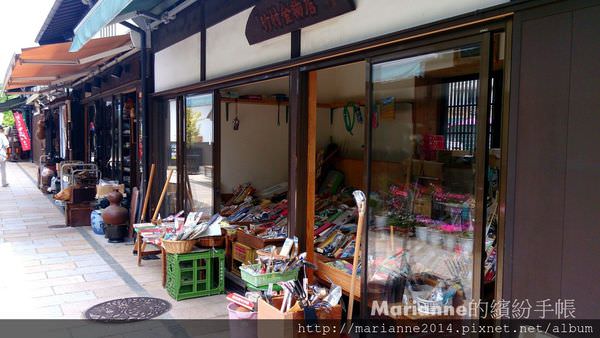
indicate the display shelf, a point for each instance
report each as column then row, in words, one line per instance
column 328, row 274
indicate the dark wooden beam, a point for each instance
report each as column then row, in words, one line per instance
column 481, row 154
column 203, row 43
column 311, row 168
column 296, row 44
column 297, row 193
column 216, row 151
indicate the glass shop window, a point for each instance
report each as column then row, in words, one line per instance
column 199, row 141
column 422, row 199
column 169, row 165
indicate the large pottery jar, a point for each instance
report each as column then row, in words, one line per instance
column 46, row 175
column 115, row 213
column 115, row 217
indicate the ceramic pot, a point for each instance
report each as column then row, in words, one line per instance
column 97, row 223
column 435, row 237
column 421, row 233
column 449, row 241
column 47, row 174
column 115, row 214
column 381, row 221
column 115, row 233
column 466, row 244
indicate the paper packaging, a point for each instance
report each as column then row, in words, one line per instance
column 240, row 300
column 287, row 246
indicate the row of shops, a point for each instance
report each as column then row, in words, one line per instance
column 271, row 113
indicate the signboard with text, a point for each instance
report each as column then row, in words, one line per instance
column 22, row 130
column 271, row 18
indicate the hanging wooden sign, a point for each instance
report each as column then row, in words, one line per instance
column 271, row 18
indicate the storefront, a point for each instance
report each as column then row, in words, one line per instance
column 110, row 107
column 272, row 112
column 414, row 119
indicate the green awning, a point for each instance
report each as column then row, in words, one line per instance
column 105, row 11
column 12, row 103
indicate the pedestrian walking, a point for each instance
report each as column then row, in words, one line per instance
column 3, row 148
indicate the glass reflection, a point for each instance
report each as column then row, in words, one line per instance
column 422, row 201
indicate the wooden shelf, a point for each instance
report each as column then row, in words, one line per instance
column 338, row 277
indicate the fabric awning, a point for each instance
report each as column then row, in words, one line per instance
column 12, row 103
column 105, row 12
column 53, row 64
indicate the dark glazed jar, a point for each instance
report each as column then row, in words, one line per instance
column 115, row 214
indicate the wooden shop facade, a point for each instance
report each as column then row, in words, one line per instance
column 441, row 121
column 470, row 128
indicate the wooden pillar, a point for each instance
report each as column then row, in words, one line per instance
column 481, row 154
column 302, row 167
column 297, row 156
column 216, row 162
column 311, row 149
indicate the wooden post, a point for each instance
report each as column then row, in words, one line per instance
column 311, row 169
column 147, row 192
column 162, row 195
column 357, row 252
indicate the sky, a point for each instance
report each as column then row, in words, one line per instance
column 20, row 22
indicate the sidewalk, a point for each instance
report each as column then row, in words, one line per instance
column 60, row 272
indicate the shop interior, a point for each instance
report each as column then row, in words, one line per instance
column 112, row 141
column 254, row 135
column 340, row 146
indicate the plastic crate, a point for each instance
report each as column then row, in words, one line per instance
column 196, row 274
column 256, row 280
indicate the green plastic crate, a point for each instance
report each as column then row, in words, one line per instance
column 256, row 280
column 196, row 274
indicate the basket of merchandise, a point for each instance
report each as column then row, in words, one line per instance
column 253, row 275
column 212, row 241
column 261, row 237
column 183, row 238
column 178, row 247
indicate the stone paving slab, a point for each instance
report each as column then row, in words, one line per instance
column 60, row 272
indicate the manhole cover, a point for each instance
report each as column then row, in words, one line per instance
column 128, row 309
column 57, row 226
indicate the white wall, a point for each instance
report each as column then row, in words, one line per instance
column 228, row 51
column 258, row 151
column 391, row 140
column 178, row 65
column 373, row 18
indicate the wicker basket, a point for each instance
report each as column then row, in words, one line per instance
column 212, row 241
column 178, row 247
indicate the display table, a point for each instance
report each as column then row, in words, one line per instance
column 149, row 233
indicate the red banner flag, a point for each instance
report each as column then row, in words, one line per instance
column 23, row 132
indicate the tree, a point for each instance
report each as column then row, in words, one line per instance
column 191, row 125
column 9, row 119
